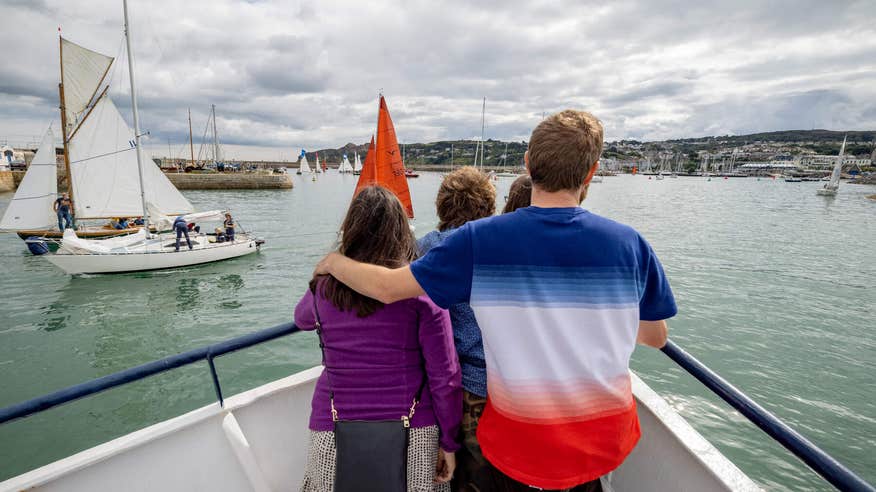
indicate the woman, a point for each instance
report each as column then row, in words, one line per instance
column 465, row 194
column 519, row 195
column 377, row 355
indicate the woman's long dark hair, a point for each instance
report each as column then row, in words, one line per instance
column 375, row 231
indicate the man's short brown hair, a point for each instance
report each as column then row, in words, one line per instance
column 563, row 148
column 465, row 194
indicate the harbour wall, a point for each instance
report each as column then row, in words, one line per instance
column 230, row 181
column 7, row 181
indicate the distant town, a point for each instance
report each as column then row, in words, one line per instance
column 787, row 152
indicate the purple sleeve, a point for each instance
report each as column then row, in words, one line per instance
column 442, row 371
column 304, row 317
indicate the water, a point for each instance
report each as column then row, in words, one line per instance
column 775, row 288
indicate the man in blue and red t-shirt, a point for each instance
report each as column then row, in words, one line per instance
column 562, row 296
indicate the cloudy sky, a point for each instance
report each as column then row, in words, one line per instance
column 291, row 74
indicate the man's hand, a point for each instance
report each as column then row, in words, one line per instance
column 445, row 466
column 324, row 265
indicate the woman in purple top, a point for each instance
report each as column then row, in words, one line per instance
column 378, row 355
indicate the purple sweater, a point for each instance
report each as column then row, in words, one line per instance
column 376, row 366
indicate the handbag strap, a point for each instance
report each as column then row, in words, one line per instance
column 318, row 323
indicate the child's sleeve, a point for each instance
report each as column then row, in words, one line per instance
column 656, row 301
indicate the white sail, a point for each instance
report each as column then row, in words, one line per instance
column 304, row 167
column 837, row 168
column 317, row 164
column 103, row 165
column 82, row 71
column 357, row 164
column 31, row 207
column 345, row 165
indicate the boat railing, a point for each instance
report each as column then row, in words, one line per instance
column 815, row 458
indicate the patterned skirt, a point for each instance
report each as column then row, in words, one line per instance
column 319, row 474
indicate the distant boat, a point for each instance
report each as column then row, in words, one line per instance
column 596, row 179
column 303, row 166
column 792, row 179
column 832, row 187
column 357, row 165
column 345, row 166
column 410, row 173
column 383, row 163
column 317, row 168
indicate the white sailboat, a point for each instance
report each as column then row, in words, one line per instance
column 832, row 187
column 102, row 170
column 345, row 166
column 357, row 164
column 303, row 166
column 318, row 169
column 31, row 207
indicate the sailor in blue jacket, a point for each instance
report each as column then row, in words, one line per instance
column 181, row 228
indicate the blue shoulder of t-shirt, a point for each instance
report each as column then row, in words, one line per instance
column 445, row 271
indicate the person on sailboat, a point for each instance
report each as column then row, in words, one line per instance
column 182, row 229
column 465, row 194
column 378, row 357
column 62, row 209
column 229, row 227
column 562, row 297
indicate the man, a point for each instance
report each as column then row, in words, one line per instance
column 181, row 228
column 561, row 296
column 62, row 209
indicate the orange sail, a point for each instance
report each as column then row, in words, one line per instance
column 383, row 164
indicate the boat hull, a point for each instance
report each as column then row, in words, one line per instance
column 259, row 440
column 75, row 264
column 825, row 192
column 85, row 233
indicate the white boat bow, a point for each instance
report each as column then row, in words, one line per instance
column 259, row 440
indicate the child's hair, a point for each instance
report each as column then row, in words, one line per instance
column 562, row 150
column 375, row 231
column 465, row 194
column 520, row 194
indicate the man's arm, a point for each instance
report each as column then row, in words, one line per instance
column 387, row 285
column 653, row 333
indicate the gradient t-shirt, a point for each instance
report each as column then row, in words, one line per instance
column 558, row 294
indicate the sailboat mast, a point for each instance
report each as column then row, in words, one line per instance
column 64, row 125
column 191, row 142
column 215, row 138
column 483, row 120
column 136, row 116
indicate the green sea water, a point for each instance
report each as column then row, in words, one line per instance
column 776, row 289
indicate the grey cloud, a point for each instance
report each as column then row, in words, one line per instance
column 306, row 74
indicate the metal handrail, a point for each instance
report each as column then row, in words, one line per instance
column 829, row 468
column 137, row 373
column 820, row 462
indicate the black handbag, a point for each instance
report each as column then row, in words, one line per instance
column 372, row 456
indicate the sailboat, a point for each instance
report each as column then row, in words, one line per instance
column 303, row 166
column 102, row 164
column 357, row 165
column 832, row 187
column 383, row 163
column 317, row 162
column 99, row 180
column 31, row 212
column 345, row 166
